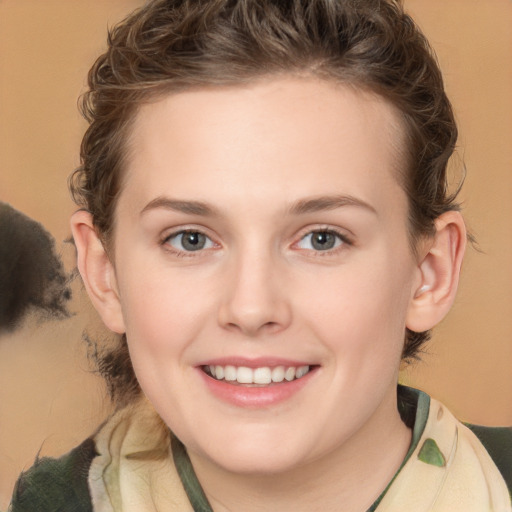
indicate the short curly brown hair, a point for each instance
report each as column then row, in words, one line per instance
column 173, row 45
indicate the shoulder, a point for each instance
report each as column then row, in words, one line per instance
column 418, row 409
column 52, row 485
column 128, row 461
column 498, row 443
column 451, row 465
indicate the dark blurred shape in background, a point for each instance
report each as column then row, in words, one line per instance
column 32, row 276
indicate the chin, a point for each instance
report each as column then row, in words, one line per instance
column 257, row 466
column 250, row 457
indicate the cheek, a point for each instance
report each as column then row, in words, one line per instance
column 361, row 311
column 160, row 324
column 165, row 310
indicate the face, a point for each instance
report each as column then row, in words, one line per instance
column 263, row 268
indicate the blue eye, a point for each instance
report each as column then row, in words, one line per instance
column 189, row 241
column 321, row 240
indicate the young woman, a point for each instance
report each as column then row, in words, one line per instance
column 266, row 224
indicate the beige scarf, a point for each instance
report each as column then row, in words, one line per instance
column 450, row 471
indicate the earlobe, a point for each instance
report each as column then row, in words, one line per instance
column 97, row 271
column 439, row 271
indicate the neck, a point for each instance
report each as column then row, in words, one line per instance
column 354, row 475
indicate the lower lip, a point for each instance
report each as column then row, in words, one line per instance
column 255, row 397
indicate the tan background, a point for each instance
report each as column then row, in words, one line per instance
column 50, row 400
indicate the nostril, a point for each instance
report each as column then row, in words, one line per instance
column 253, row 313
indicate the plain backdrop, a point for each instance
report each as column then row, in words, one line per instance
column 49, row 397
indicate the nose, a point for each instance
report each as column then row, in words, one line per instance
column 254, row 300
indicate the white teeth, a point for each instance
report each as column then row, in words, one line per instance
column 219, row 372
column 278, row 374
column 262, row 375
column 244, row 375
column 301, row 371
column 289, row 374
column 230, row 373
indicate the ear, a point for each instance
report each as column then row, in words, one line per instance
column 97, row 271
column 439, row 271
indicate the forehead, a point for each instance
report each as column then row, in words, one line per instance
column 284, row 137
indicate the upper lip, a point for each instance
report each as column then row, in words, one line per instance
column 257, row 362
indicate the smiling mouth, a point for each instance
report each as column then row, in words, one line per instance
column 261, row 376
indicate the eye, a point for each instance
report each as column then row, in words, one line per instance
column 321, row 240
column 189, row 241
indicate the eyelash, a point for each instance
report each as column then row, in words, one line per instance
column 184, row 253
column 343, row 238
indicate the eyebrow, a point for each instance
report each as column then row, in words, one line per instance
column 190, row 207
column 322, row 203
column 301, row 207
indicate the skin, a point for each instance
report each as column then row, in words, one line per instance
column 256, row 156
